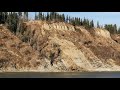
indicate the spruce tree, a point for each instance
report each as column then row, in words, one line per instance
column 118, row 30
column 36, row 16
column 24, row 15
column 67, row 18
column 87, row 23
column 27, row 16
column 47, row 17
column 20, row 14
column 6, row 15
column 63, row 17
column 43, row 16
column 40, row 15
column 84, row 22
column 98, row 26
column 115, row 28
column 78, row 21
column 52, row 15
column 91, row 24
column 81, row 22
column 57, row 17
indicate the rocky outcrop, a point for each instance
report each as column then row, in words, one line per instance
column 102, row 32
column 51, row 25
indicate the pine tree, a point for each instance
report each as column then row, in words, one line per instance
column 40, row 15
column 43, row 16
column 9, row 19
column 98, row 26
column 36, row 17
column 6, row 15
column 87, row 23
column 78, row 21
column 118, row 30
column 81, row 22
column 47, row 17
column 25, row 16
column 57, row 17
column 84, row 22
column 0, row 17
column 111, row 28
column 19, row 27
column 52, row 15
column 63, row 17
column 115, row 29
column 91, row 24
column 73, row 21
column 67, row 18
column 20, row 14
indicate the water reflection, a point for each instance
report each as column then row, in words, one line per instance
column 60, row 75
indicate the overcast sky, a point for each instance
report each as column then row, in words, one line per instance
column 102, row 17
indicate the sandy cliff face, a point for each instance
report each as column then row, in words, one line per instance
column 52, row 46
column 73, row 48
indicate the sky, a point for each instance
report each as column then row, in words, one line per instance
column 102, row 17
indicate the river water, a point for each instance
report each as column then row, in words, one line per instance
column 60, row 75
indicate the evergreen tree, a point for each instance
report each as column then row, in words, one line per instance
column 111, row 28
column 6, row 15
column 20, row 14
column 19, row 27
column 57, row 17
column 60, row 18
column 84, row 22
column 81, row 22
column 91, row 24
column 47, row 17
column 52, row 15
column 118, row 30
column 2, row 17
column 25, row 16
column 43, row 16
column 115, row 29
column 67, row 18
column 36, row 16
column 98, row 26
column 63, row 17
column 40, row 15
column 73, row 21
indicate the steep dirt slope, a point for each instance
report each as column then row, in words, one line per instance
column 57, row 46
column 68, row 48
column 16, row 55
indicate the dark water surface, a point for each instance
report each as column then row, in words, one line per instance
column 60, row 75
